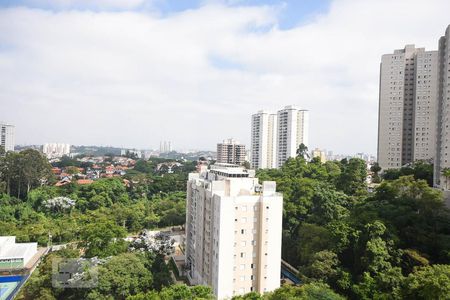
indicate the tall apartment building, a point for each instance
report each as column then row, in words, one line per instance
column 55, row 150
column 165, row 147
column 7, row 136
column 442, row 159
column 233, row 231
column 263, row 140
column 408, row 106
column 321, row 154
column 231, row 152
column 292, row 130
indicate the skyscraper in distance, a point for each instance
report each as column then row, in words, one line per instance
column 231, row 151
column 7, row 133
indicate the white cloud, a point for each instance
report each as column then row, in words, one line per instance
column 89, row 4
column 133, row 79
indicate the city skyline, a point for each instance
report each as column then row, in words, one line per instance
column 105, row 76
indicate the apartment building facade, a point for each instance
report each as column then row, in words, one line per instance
column 7, row 136
column 442, row 159
column 263, row 140
column 414, row 108
column 231, row 151
column 408, row 106
column 276, row 137
column 233, row 231
column 292, row 130
column 55, row 150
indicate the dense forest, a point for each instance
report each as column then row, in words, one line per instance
column 347, row 241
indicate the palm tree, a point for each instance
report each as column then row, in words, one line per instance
column 446, row 173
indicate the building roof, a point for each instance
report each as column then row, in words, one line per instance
column 85, row 181
column 9, row 248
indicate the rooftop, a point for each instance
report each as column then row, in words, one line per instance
column 231, row 170
column 9, row 248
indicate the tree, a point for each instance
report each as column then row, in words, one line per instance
column 323, row 266
column 59, row 204
column 430, row 282
column 182, row 292
column 375, row 169
column 246, row 165
column 311, row 291
column 446, row 173
column 103, row 238
column 249, row 296
column 312, row 239
column 414, row 212
column 302, row 151
column 352, row 180
column 419, row 169
column 24, row 171
column 122, row 276
column 161, row 273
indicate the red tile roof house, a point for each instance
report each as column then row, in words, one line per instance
column 84, row 181
column 56, row 171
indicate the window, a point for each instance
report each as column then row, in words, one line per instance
column 244, row 220
column 243, row 244
column 242, row 278
column 242, row 231
column 241, row 267
column 242, row 254
column 244, row 207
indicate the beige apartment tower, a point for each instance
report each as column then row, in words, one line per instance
column 231, row 152
column 408, row 106
column 233, row 231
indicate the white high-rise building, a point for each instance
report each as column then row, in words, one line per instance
column 165, row 147
column 56, row 150
column 7, row 136
column 292, row 130
column 233, row 231
column 263, row 140
column 408, row 106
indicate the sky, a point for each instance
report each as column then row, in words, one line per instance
column 132, row 73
